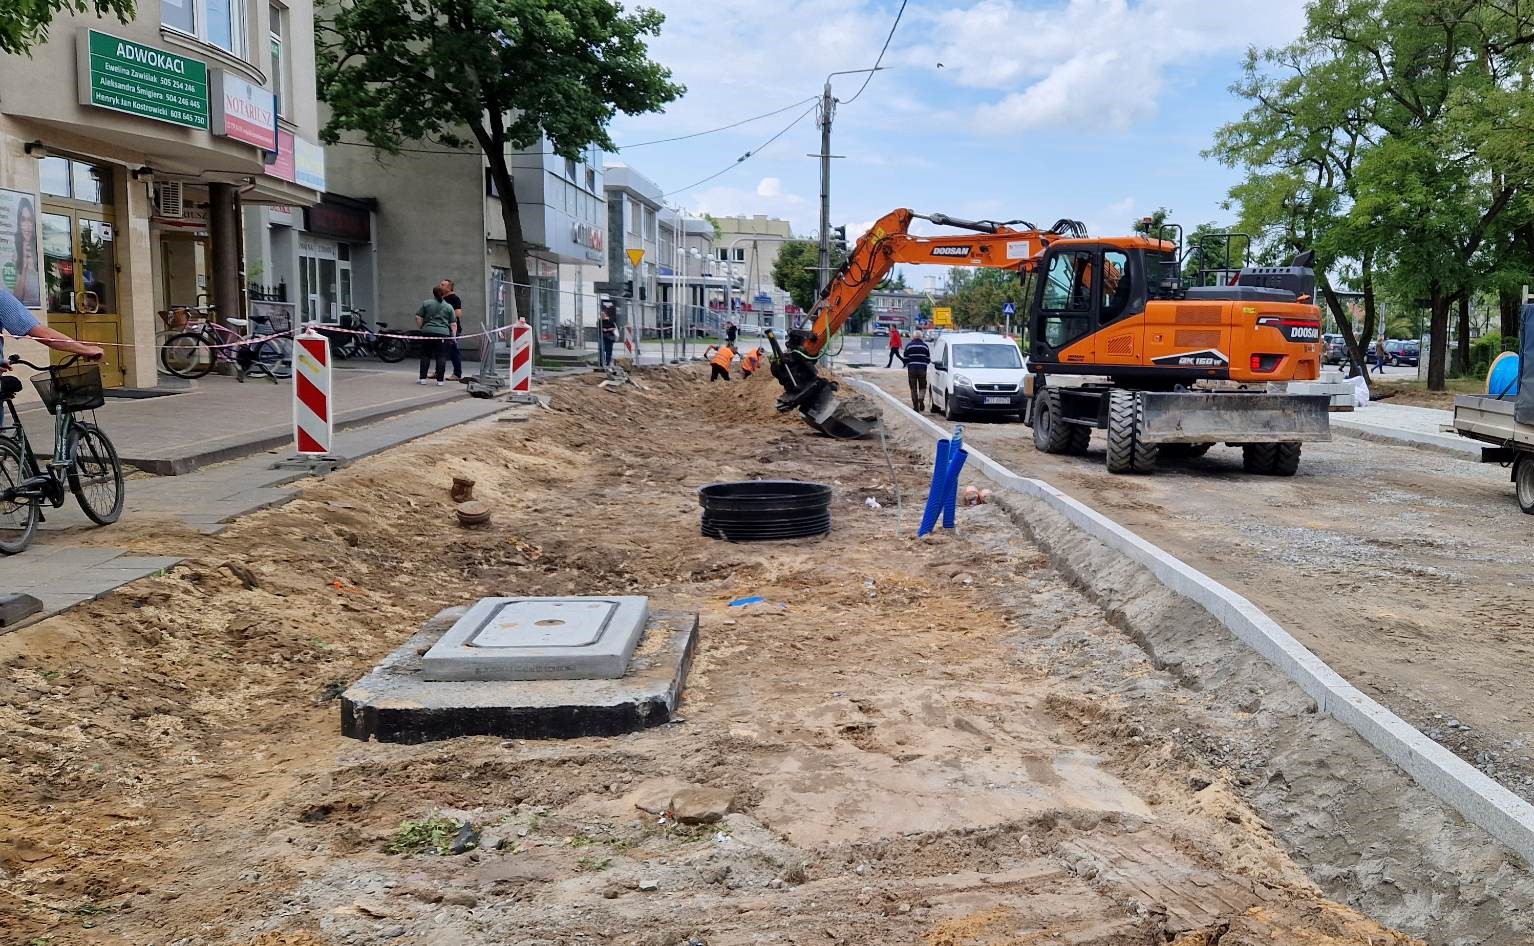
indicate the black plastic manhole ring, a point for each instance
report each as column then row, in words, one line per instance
column 765, row 510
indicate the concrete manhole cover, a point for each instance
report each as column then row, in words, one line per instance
column 540, row 639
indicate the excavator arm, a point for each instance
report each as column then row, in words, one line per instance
column 988, row 244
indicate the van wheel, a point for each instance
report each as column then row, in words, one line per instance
column 949, row 411
column 932, row 399
column 1127, row 453
column 1523, row 482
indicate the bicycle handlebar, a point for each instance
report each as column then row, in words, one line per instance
column 18, row 360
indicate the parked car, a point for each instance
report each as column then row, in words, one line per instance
column 976, row 372
column 1334, row 349
column 1407, row 353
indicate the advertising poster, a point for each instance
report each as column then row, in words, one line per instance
column 19, row 268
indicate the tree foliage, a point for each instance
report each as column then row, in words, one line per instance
column 794, row 271
column 499, row 74
column 1391, row 138
column 24, row 23
column 977, row 296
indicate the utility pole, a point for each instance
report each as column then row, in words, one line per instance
column 823, row 270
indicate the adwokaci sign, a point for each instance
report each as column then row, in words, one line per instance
column 244, row 111
column 140, row 80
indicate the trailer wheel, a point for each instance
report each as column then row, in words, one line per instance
column 1051, row 434
column 1127, row 453
column 1258, row 457
column 1286, row 460
column 1523, row 482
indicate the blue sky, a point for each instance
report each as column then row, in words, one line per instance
column 1091, row 109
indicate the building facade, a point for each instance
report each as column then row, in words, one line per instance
column 127, row 155
column 747, row 250
column 899, row 307
column 686, row 275
column 453, row 228
column 634, row 204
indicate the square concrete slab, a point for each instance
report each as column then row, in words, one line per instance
column 396, row 703
column 583, row 638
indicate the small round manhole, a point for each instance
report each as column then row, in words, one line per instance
column 764, row 510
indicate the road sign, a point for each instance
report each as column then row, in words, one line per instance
column 636, row 256
column 942, row 316
column 1008, row 308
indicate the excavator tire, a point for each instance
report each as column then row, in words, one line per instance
column 1127, row 453
column 1051, row 434
column 1259, row 457
column 1286, row 460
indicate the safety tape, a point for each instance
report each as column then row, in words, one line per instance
column 289, row 334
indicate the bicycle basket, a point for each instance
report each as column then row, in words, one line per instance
column 76, row 388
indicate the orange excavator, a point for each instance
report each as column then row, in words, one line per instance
column 1117, row 341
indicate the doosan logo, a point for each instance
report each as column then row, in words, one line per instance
column 950, row 251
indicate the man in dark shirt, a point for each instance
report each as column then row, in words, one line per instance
column 451, row 298
column 607, row 332
column 917, row 357
column 730, row 332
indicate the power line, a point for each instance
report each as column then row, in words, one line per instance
column 869, row 78
column 748, row 154
column 699, row 134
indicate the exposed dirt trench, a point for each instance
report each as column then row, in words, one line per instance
column 938, row 742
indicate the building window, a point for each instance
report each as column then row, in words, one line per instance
column 649, row 224
column 218, row 23
column 570, row 174
column 279, row 29
column 591, row 180
column 635, row 216
column 740, row 254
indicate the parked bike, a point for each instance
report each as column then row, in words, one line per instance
column 84, row 459
column 361, row 340
column 194, row 352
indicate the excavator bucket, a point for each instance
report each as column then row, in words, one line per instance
column 833, row 416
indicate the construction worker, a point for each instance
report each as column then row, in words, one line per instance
column 751, row 361
column 719, row 365
column 917, row 357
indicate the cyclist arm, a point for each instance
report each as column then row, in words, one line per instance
column 58, row 341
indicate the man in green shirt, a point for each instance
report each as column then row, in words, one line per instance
column 434, row 320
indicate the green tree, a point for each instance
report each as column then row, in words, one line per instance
column 24, row 23
column 977, row 295
column 500, row 74
column 794, row 271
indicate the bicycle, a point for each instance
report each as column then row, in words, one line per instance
column 193, row 353
column 359, row 339
column 83, row 456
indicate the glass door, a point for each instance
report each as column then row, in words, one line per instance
column 80, row 258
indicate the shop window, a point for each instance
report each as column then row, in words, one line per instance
column 218, row 23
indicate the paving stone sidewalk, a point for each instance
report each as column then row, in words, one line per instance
column 62, row 572
column 1405, row 425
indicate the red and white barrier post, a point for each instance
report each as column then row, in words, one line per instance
column 313, row 417
column 521, row 359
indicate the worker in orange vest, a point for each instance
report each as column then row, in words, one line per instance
column 719, row 365
column 750, row 361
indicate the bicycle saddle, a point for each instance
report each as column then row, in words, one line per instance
column 238, row 322
column 10, row 386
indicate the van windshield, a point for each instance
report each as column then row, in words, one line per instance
column 986, row 356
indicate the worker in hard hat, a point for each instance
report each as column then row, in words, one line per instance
column 719, row 364
column 751, row 361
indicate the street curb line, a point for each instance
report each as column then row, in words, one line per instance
column 1454, row 781
column 1438, row 443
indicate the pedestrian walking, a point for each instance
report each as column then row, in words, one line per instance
column 1379, row 357
column 894, row 347
column 731, row 332
column 607, row 332
column 451, row 298
column 750, row 362
column 917, row 357
column 434, row 320
column 719, row 365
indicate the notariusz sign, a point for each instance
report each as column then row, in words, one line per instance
column 130, row 77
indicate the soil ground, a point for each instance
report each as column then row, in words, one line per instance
column 1405, row 569
column 927, row 741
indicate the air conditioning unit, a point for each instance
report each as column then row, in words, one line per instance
column 168, row 200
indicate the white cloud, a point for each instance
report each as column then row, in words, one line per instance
column 769, row 187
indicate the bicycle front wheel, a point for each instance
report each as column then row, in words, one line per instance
column 18, row 516
column 95, row 475
column 277, row 355
column 391, row 350
column 187, row 355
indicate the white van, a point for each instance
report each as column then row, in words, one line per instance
column 976, row 371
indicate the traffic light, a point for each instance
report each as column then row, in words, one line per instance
column 628, row 289
column 841, row 238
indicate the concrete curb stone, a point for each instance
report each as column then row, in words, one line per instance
column 1474, row 795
